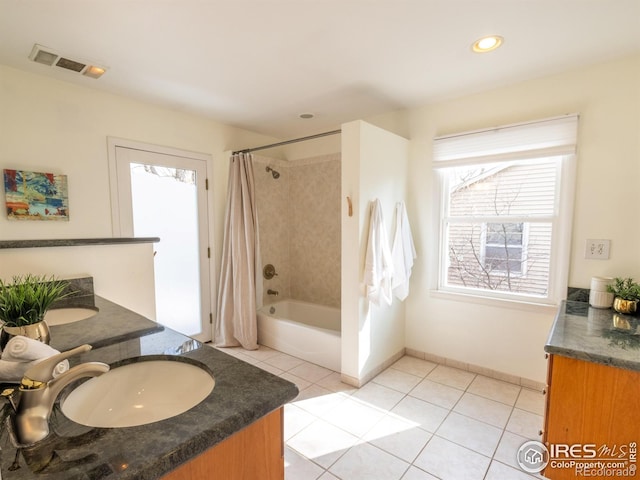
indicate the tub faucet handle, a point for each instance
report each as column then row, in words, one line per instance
column 269, row 271
column 272, row 292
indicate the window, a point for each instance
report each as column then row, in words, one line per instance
column 503, row 248
column 506, row 210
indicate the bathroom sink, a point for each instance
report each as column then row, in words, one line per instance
column 138, row 393
column 61, row 316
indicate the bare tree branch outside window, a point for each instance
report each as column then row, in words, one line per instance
column 489, row 254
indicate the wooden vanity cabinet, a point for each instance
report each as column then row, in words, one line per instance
column 590, row 403
column 255, row 452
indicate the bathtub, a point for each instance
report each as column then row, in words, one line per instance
column 305, row 330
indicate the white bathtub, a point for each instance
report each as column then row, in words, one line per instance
column 305, row 330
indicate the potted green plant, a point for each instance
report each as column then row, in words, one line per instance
column 626, row 293
column 23, row 303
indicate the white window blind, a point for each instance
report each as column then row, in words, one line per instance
column 543, row 138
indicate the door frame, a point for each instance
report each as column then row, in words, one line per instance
column 116, row 226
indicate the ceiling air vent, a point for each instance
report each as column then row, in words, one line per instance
column 50, row 57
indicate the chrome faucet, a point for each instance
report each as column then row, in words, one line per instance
column 38, row 392
column 272, row 292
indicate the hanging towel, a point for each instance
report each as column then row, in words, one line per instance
column 378, row 268
column 403, row 253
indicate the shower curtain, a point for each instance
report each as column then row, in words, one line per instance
column 240, row 272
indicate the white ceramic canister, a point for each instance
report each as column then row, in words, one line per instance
column 598, row 295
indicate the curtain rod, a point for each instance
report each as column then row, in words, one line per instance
column 287, row 142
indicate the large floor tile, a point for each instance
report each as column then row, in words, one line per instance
column 296, row 467
column 354, row 416
column 483, row 409
column 283, row 361
column 427, row 415
column 398, row 437
column 499, row 471
column 531, row 401
column 261, row 354
column 507, row 451
column 414, row 366
column 310, row 372
column 269, row 368
column 366, row 462
column 449, row 461
column 295, row 419
column 301, row 383
column 334, row 383
column 473, row 434
column 327, row 476
column 452, row 377
column 397, row 380
column 415, row 473
column 525, row 424
column 437, row 393
column 379, row 395
column 493, row 389
column 322, row 443
column 318, row 400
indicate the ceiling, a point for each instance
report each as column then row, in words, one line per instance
column 259, row 64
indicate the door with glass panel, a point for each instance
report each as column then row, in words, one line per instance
column 163, row 195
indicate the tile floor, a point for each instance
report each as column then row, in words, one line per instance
column 415, row 421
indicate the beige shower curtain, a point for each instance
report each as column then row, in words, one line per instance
column 240, row 272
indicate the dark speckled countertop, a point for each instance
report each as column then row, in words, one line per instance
column 595, row 335
column 242, row 394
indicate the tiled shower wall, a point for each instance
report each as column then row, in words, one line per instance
column 299, row 221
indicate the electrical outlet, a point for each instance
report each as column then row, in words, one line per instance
column 597, row 249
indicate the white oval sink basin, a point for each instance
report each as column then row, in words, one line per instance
column 138, row 393
column 61, row 316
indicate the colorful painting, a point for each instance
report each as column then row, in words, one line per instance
column 36, row 196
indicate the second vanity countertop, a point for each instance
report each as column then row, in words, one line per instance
column 595, row 335
column 242, row 394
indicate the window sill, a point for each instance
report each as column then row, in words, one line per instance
column 494, row 302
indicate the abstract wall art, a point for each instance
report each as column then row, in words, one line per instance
column 35, row 195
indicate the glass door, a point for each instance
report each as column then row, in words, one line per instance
column 165, row 196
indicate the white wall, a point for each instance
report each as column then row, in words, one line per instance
column 511, row 340
column 374, row 165
column 52, row 126
column 121, row 273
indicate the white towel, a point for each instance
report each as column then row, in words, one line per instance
column 21, row 353
column 13, row 371
column 378, row 268
column 23, row 349
column 403, row 253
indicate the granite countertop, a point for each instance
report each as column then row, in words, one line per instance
column 242, row 394
column 595, row 335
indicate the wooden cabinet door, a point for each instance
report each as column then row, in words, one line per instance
column 256, row 452
column 590, row 403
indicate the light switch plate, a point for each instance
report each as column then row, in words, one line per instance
column 597, row 249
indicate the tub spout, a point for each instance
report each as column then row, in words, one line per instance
column 272, row 292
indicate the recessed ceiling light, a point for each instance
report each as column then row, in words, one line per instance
column 306, row 116
column 487, row 44
column 94, row 71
